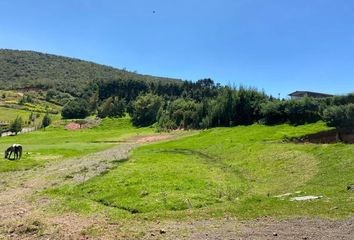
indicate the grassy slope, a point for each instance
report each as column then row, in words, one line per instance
column 10, row 109
column 225, row 171
column 9, row 115
column 20, row 69
column 11, row 98
column 55, row 143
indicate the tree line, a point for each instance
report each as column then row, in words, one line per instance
column 201, row 104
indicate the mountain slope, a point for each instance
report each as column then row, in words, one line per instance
column 29, row 69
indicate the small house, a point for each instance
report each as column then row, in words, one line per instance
column 301, row 94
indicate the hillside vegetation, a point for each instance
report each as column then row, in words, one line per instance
column 85, row 88
column 29, row 69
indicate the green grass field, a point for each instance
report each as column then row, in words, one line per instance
column 10, row 108
column 56, row 143
column 221, row 172
column 9, row 115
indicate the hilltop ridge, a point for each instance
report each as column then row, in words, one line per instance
column 29, row 69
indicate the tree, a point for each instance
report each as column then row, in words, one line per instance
column 16, row 125
column 273, row 112
column 305, row 110
column 127, row 89
column 145, row 109
column 93, row 102
column 112, row 107
column 339, row 117
column 78, row 108
column 46, row 121
column 81, row 122
column 32, row 118
column 247, row 105
column 221, row 110
column 118, row 108
column 51, row 93
column 25, row 99
column 105, row 108
column 180, row 113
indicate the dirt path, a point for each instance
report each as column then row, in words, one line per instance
column 260, row 229
column 23, row 216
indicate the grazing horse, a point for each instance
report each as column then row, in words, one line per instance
column 16, row 149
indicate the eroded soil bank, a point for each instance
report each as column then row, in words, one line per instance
column 328, row 137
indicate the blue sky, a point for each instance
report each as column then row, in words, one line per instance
column 276, row 45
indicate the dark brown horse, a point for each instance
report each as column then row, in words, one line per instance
column 15, row 149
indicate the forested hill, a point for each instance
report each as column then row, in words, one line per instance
column 29, row 69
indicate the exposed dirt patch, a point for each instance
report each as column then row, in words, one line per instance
column 327, row 137
column 154, row 138
column 259, row 229
column 72, row 126
column 82, row 124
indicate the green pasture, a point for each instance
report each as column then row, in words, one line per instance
column 9, row 115
column 10, row 107
column 56, row 143
column 222, row 172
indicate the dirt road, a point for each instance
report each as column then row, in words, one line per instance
column 23, row 216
